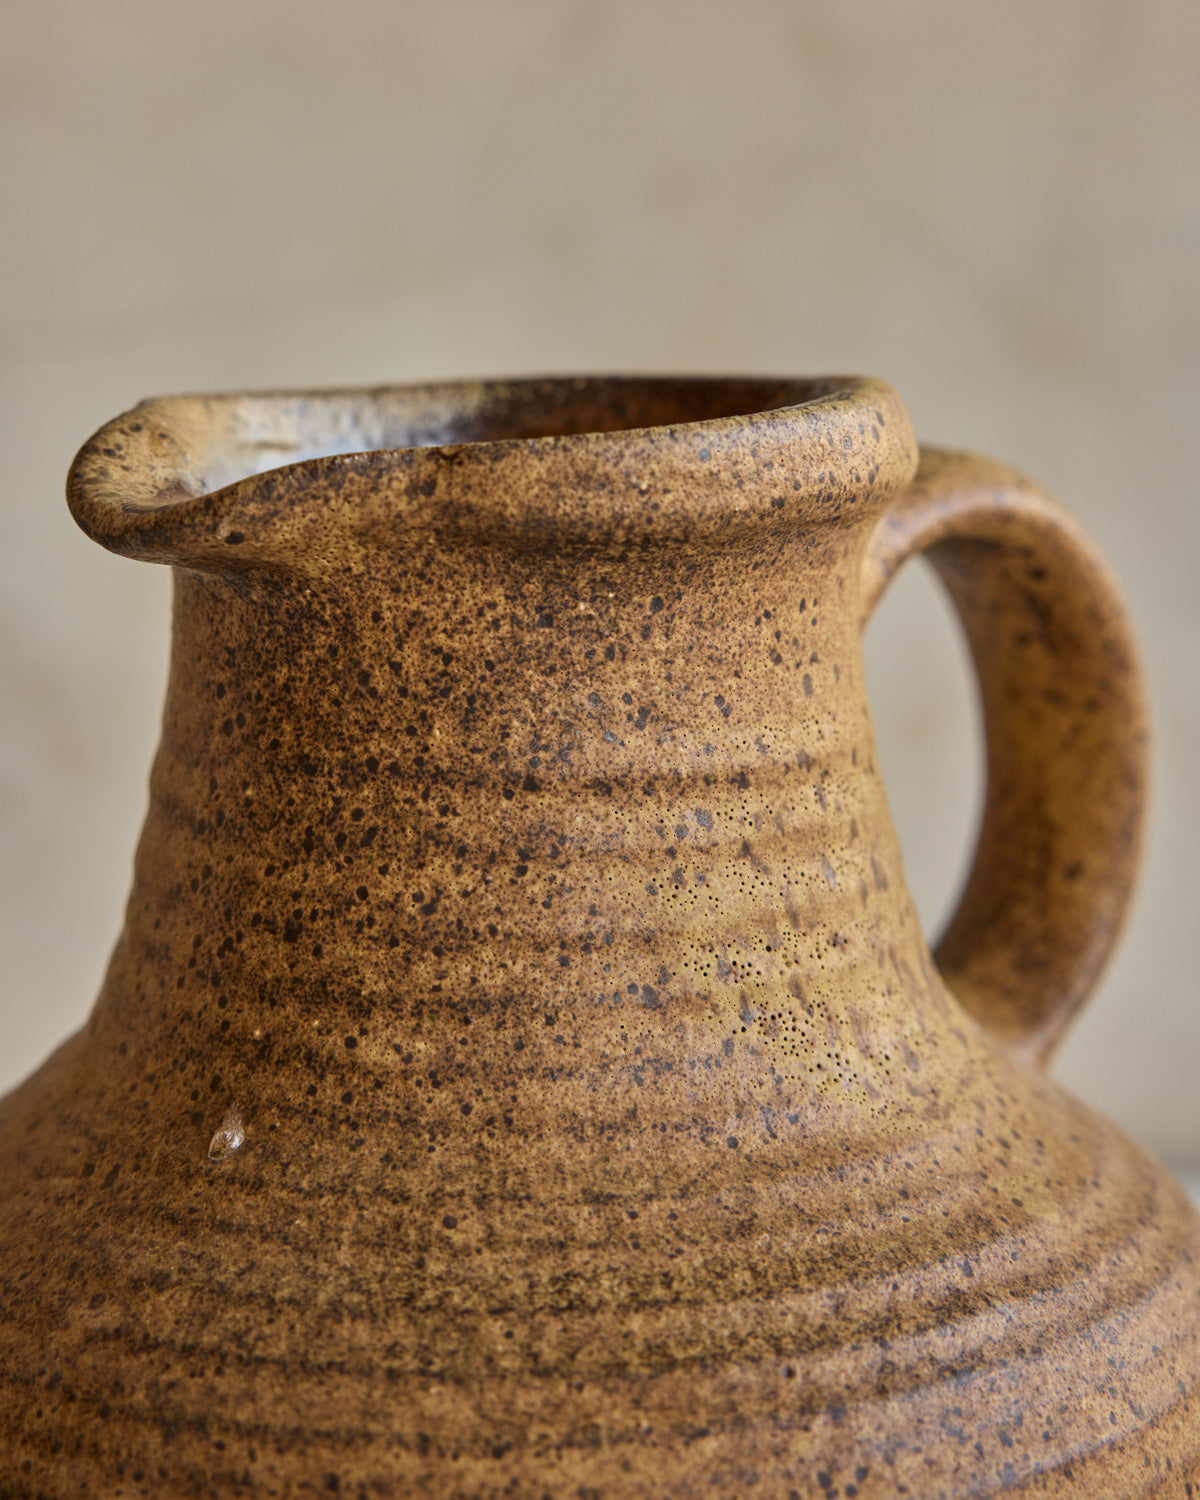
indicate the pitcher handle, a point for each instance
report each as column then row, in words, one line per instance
column 1065, row 728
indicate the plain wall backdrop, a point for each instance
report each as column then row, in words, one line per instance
column 994, row 207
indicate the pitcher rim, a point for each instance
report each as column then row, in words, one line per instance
column 142, row 485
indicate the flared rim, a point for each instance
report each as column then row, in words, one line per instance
column 284, row 477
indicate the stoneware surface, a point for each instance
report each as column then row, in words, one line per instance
column 522, row 1072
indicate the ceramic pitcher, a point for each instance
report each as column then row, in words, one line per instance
column 522, row 1072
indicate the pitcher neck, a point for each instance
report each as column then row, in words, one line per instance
column 495, row 783
column 518, row 686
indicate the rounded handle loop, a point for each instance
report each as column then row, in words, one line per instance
column 1065, row 729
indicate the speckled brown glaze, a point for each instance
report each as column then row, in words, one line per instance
column 522, row 1072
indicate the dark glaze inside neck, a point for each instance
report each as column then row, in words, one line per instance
column 265, row 432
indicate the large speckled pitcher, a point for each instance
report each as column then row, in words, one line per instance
column 522, row 1072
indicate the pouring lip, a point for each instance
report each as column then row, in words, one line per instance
column 189, row 481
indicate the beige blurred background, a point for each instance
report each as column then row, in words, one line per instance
column 996, row 207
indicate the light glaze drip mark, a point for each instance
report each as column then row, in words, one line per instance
column 229, row 1137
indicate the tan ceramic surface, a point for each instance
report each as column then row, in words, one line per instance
column 522, row 1071
column 995, row 205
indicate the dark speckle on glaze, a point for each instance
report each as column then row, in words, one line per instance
column 521, row 1072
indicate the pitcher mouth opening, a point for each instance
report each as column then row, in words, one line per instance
column 176, row 479
column 270, row 431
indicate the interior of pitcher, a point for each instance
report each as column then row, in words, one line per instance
column 266, row 431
